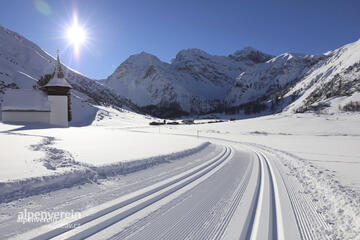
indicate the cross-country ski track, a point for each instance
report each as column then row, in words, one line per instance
column 239, row 194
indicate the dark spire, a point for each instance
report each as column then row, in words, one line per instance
column 58, row 70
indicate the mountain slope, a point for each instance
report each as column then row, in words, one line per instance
column 332, row 84
column 194, row 82
column 265, row 80
column 326, row 83
column 22, row 63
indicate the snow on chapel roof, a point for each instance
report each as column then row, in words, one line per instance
column 58, row 80
column 25, row 100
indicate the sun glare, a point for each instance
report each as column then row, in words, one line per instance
column 76, row 35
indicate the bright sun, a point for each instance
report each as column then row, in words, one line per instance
column 76, row 35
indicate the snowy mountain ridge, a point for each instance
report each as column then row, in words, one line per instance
column 267, row 79
column 194, row 81
column 332, row 84
column 247, row 81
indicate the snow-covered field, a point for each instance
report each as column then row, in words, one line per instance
column 37, row 158
column 96, row 145
column 317, row 157
column 329, row 141
column 17, row 159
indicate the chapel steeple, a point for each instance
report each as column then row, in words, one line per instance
column 58, row 81
column 58, row 90
column 58, row 69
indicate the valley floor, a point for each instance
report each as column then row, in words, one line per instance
column 284, row 176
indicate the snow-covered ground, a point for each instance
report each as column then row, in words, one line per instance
column 96, row 145
column 317, row 157
column 330, row 141
column 37, row 158
column 319, row 152
column 17, row 159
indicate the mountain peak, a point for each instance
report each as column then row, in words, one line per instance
column 190, row 53
column 143, row 58
column 144, row 54
column 246, row 50
column 251, row 54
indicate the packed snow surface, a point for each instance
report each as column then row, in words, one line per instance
column 95, row 145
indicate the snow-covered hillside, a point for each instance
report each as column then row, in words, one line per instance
column 22, row 63
column 194, row 82
column 331, row 85
column 247, row 81
column 265, row 80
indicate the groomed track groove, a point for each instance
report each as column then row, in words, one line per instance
column 265, row 186
column 200, row 213
column 159, row 192
column 242, row 187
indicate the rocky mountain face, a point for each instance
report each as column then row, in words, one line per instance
column 247, row 81
column 332, row 85
column 194, row 82
column 264, row 81
column 22, row 63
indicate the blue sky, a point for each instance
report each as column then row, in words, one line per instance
column 120, row 28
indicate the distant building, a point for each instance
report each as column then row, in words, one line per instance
column 188, row 121
column 49, row 105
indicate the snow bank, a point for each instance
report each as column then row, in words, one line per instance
column 131, row 166
column 15, row 189
column 80, row 173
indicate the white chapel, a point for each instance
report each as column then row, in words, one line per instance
column 49, row 105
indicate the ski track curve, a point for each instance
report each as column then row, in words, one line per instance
column 310, row 222
column 204, row 210
column 263, row 223
column 133, row 203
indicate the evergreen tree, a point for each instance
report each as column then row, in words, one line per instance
column 44, row 79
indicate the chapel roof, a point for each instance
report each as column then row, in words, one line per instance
column 58, row 80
